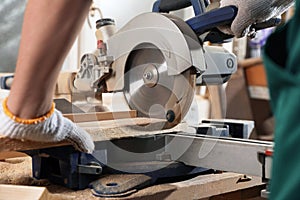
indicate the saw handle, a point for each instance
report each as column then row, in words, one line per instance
column 171, row 5
column 214, row 18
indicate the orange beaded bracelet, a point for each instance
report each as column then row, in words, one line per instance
column 26, row 121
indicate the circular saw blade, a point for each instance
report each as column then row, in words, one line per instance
column 151, row 91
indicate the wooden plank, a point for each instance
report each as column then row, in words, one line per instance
column 99, row 131
column 11, row 154
column 254, row 71
column 216, row 97
column 211, row 185
column 200, row 187
column 63, row 83
column 8, row 144
column 250, row 62
column 256, row 75
column 63, row 87
column 100, row 116
column 23, row 192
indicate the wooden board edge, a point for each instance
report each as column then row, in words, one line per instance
column 100, row 116
column 106, row 130
column 10, row 145
column 23, row 192
column 11, row 154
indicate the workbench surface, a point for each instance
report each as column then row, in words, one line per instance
column 17, row 171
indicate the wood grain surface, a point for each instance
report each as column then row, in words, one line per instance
column 99, row 131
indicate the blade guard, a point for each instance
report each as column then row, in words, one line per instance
column 176, row 40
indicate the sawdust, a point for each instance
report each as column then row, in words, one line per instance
column 121, row 130
column 17, row 171
column 13, row 171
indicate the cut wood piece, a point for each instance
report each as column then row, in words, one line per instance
column 99, row 131
column 100, row 116
column 23, row 192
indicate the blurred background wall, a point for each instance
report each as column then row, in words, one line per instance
column 11, row 18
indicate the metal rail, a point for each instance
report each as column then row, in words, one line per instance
column 227, row 154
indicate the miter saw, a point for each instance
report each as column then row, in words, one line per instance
column 156, row 57
column 155, row 60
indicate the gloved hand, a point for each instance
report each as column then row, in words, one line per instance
column 253, row 11
column 53, row 128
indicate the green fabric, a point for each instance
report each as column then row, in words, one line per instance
column 282, row 62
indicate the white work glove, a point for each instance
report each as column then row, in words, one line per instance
column 53, row 129
column 253, row 11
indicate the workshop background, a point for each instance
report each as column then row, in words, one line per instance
column 11, row 18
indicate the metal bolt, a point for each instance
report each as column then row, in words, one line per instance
column 170, row 116
column 230, row 63
column 148, row 75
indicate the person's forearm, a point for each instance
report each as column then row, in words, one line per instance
column 49, row 30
